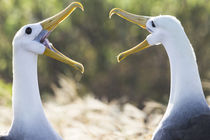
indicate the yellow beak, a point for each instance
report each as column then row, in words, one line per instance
column 141, row 46
column 50, row 24
column 137, row 19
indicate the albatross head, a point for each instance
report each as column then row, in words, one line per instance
column 161, row 28
column 33, row 37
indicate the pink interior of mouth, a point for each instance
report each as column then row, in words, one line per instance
column 46, row 42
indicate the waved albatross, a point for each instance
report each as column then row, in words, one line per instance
column 29, row 120
column 187, row 116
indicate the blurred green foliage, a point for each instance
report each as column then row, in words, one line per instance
column 92, row 38
column 5, row 93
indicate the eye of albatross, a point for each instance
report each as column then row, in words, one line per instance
column 153, row 24
column 28, row 30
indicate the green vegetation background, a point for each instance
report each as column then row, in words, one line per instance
column 91, row 38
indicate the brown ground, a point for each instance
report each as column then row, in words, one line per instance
column 86, row 118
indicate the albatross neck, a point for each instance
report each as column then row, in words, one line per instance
column 26, row 97
column 29, row 120
column 186, row 89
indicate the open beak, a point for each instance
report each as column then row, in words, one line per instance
column 137, row 19
column 48, row 26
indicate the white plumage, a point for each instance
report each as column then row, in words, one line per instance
column 29, row 120
column 29, row 117
column 186, row 96
column 187, row 116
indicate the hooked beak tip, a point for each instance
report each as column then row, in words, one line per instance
column 79, row 67
column 78, row 4
column 51, row 23
column 120, row 57
column 112, row 12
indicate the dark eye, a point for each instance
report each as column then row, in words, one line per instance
column 153, row 24
column 28, row 30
